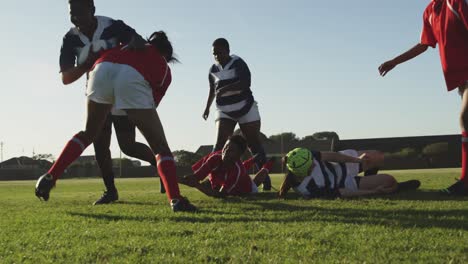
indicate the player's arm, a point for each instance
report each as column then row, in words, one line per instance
column 406, row 56
column 339, row 157
column 211, row 97
column 126, row 35
column 71, row 75
column 70, row 72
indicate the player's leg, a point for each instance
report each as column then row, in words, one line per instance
column 383, row 182
column 148, row 122
column 126, row 136
column 461, row 186
column 104, row 161
column 97, row 114
column 224, row 129
column 263, row 173
column 250, row 125
column 100, row 99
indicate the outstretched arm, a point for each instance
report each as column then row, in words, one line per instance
column 211, row 97
column 406, row 56
column 340, row 158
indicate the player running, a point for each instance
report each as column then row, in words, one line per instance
column 230, row 81
column 90, row 29
column 227, row 174
column 124, row 79
column 335, row 174
column 445, row 22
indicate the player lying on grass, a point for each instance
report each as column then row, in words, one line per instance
column 124, row 79
column 226, row 173
column 335, row 174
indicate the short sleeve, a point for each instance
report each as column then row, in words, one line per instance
column 427, row 34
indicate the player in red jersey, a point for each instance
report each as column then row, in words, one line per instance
column 126, row 80
column 227, row 174
column 445, row 23
column 91, row 30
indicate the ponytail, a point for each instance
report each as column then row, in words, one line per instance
column 160, row 41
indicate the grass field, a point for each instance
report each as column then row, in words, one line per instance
column 420, row 227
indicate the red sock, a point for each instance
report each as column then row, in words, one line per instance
column 167, row 173
column 70, row 153
column 464, row 177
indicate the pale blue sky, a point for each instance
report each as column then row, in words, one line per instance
column 313, row 63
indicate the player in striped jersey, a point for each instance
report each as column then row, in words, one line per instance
column 226, row 173
column 335, row 174
column 230, row 81
column 88, row 30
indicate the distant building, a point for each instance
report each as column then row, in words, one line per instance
column 25, row 163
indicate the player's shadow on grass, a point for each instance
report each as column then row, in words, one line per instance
column 419, row 195
column 287, row 213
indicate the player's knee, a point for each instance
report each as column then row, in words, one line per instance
column 390, row 182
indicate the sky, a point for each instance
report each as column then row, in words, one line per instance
column 313, row 64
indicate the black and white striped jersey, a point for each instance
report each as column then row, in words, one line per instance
column 232, row 103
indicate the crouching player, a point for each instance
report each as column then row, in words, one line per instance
column 335, row 174
column 226, row 173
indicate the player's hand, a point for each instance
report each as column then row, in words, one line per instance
column 365, row 161
column 386, row 67
column 206, row 113
column 136, row 43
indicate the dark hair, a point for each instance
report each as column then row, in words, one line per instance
column 221, row 42
column 160, row 41
column 239, row 141
column 89, row 3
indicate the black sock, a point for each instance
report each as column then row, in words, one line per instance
column 109, row 183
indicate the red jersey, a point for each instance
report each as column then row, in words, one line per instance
column 234, row 181
column 446, row 24
column 149, row 63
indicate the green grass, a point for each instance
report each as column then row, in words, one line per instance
column 420, row 227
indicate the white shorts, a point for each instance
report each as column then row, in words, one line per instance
column 252, row 116
column 120, row 85
column 352, row 170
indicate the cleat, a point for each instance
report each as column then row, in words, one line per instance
column 107, row 197
column 410, row 185
column 44, row 184
column 182, row 205
column 456, row 189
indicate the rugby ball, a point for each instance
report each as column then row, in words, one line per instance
column 96, row 46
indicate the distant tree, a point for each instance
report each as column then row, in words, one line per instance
column 263, row 137
column 186, row 158
column 286, row 137
column 435, row 149
column 48, row 157
column 326, row 135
